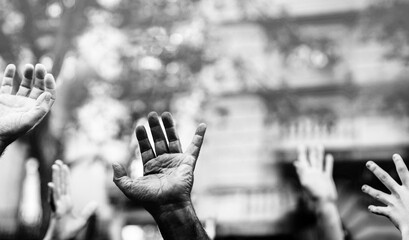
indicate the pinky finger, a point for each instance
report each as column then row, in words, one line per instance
column 383, row 211
column 329, row 164
column 50, row 86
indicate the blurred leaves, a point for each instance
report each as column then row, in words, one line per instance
column 387, row 21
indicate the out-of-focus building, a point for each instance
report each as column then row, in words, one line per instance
column 327, row 91
column 287, row 73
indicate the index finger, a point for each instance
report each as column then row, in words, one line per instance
column 383, row 176
column 8, row 78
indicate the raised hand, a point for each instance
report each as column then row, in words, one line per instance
column 168, row 174
column 315, row 173
column 397, row 202
column 165, row 188
column 23, row 107
column 64, row 223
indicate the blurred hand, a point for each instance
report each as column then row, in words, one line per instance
column 397, row 202
column 64, row 224
column 315, row 174
column 168, row 174
column 23, row 107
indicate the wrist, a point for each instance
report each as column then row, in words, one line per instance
column 405, row 232
column 324, row 202
column 326, row 208
column 163, row 211
column 179, row 221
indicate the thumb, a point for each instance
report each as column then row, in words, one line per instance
column 37, row 113
column 119, row 171
column 121, row 179
column 89, row 210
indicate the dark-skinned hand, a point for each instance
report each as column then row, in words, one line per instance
column 168, row 172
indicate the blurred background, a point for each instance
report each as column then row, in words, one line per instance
column 265, row 75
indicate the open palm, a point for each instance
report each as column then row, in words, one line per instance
column 396, row 203
column 23, row 107
column 315, row 176
column 168, row 174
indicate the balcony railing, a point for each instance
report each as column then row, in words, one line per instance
column 362, row 131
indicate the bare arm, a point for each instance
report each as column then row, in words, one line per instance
column 165, row 188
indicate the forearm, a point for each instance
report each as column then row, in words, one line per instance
column 405, row 233
column 180, row 222
column 329, row 221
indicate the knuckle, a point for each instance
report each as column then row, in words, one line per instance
column 383, row 176
column 401, row 169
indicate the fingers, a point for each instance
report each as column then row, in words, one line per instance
column 320, row 156
column 329, row 164
column 158, row 136
column 401, row 169
column 66, row 182
column 56, row 177
column 383, row 211
column 376, row 194
column 60, row 180
column 194, row 147
column 315, row 156
column 302, row 160
column 25, row 86
column 169, row 124
column 39, row 81
column 144, row 144
column 121, row 179
column 8, row 78
column 382, row 176
column 50, row 87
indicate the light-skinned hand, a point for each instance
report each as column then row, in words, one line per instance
column 397, row 201
column 22, row 107
column 64, row 223
column 315, row 173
